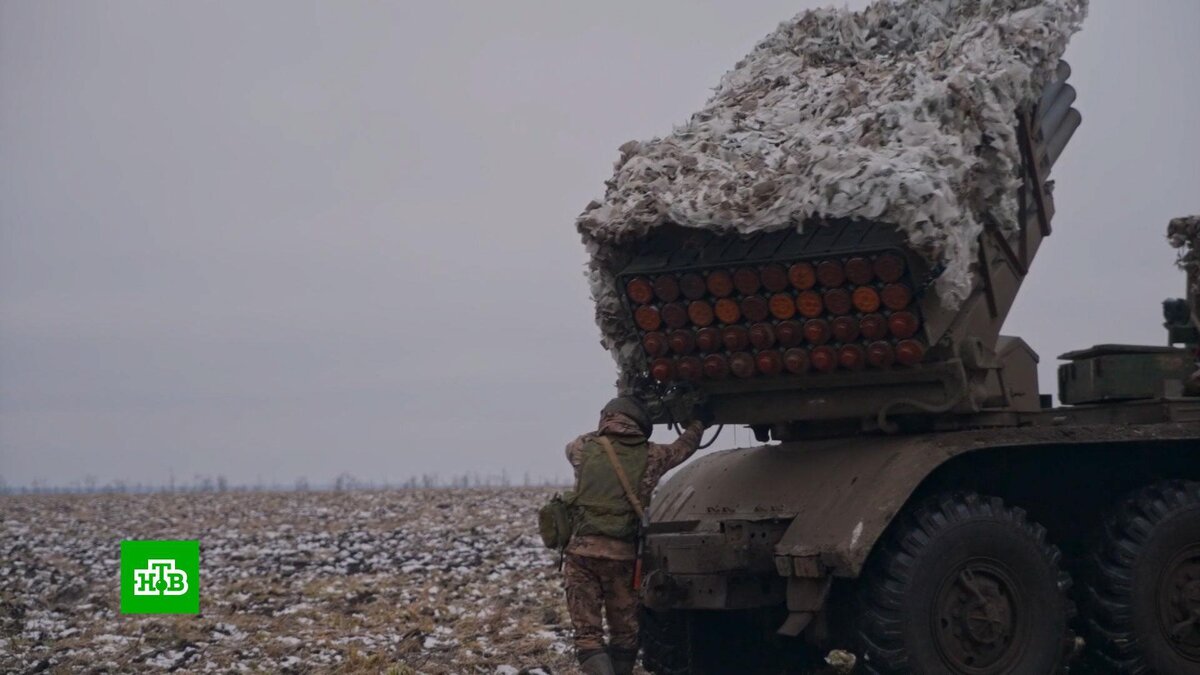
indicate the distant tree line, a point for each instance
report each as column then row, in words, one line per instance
column 215, row 484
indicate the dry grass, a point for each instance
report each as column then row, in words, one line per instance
column 401, row 582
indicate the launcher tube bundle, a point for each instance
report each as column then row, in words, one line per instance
column 861, row 197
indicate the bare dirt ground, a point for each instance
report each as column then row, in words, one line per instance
column 437, row 581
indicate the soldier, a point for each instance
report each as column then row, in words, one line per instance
column 601, row 557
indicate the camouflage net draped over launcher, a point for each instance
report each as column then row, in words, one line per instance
column 901, row 113
column 1184, row 234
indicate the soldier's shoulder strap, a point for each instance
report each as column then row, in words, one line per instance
column 629, row 493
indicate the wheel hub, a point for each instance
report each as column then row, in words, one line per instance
column 976, row 619
column 1179, row 603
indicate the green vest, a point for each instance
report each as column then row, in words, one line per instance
column 599, row 504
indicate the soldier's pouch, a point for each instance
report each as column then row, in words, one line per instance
column 554, row 522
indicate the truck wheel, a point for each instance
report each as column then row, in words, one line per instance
column 713, row 643
column 666, row 647
column 1143, row 591
column 964, row 584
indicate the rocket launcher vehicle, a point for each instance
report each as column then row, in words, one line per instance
column 840, row 320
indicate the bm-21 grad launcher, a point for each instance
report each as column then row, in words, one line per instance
column 927, row 508
column 836, row 325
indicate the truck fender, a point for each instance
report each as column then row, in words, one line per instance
column 839, row 495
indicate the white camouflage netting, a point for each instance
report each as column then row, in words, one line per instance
column 903, row 112
column 1184, row 234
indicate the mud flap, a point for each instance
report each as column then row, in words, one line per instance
column 805, row 597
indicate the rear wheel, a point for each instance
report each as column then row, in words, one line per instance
column 666, row 648
column 719, row 642
column 1143, row 595
column 964, row 584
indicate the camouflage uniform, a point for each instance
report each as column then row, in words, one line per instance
column 599, row 570
column 595, row 584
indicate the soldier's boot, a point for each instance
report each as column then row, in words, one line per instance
column 596, row 663
column 623, row 660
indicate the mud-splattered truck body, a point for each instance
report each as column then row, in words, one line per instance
column 926, row 508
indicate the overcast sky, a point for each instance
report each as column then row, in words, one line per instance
column 280, row 239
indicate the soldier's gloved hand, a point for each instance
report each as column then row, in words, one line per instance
column 703, row 414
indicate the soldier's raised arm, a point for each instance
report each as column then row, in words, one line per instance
column 670, row 455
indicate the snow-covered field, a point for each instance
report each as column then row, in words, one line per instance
column 436, row 581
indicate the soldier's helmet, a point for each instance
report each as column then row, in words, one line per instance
column 631, row 408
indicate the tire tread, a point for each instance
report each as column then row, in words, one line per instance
column 1113, row 646
column 892, row 566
